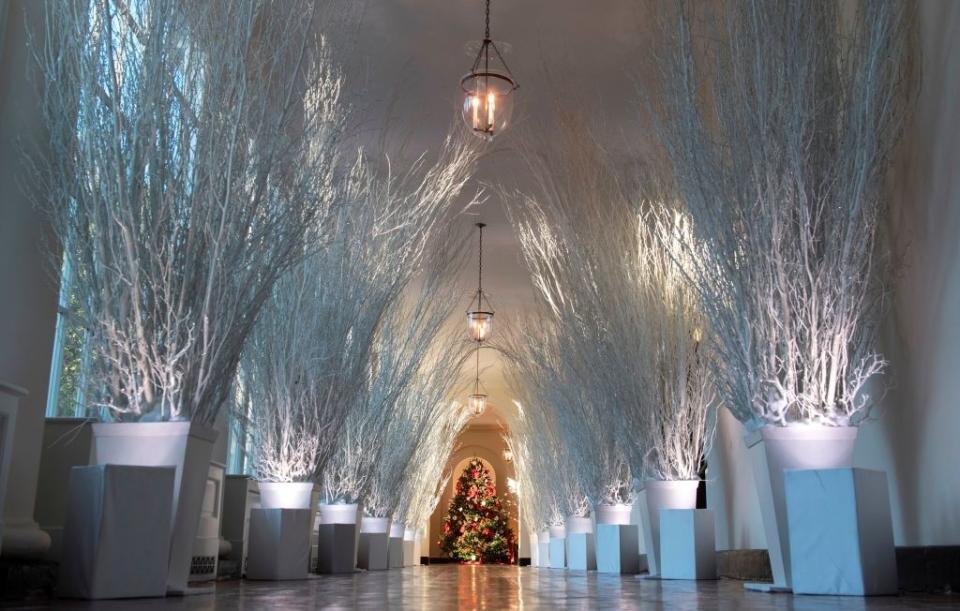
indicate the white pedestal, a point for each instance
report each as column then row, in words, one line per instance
column 279, row 544
column 184, row 445
column 409, row 547
column 543, row 543
column 790, row 447
column 534, row 551
column 581, row 552
column 841, row 534
column 336, row 548
column 660, row 495
column 558, row 553
column 688, row 544
column 241, row 494
column 374, row 551
column 117, row 532
column 618, row 548
column 395, row 551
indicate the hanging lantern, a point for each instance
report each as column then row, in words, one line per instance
column 507, row 455
column 477, row 403
column 487, row 89
column 480, row 318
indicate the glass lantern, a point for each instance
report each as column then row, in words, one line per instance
column 487, row 102
column 477, row 403
column 507, row 455
column 480, row 324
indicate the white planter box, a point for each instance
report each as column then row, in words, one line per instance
column 206, row 547
column 183, row 445
column 688, row 544
column 613, row 514
column 791, row 447
column 279, row 544
column 241, row 494
column 618, row 548
column 117, row 532
column 337, row 548
column 534, row 551
column 841, row 534
column 286, row 495
column 662, row 495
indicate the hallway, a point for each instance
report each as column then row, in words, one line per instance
column 499, row 587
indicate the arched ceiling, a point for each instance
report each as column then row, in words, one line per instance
column 406, row 63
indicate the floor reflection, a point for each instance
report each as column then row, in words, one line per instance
column 497, row 587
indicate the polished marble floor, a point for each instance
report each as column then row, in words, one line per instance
column 498, row 587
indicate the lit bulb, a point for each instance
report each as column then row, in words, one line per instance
column 491, row 109
column 481, row 325
column 477, row 404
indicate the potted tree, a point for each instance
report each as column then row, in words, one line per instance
column 777, row 122
column 181, row 187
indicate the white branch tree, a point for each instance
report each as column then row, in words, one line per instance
column 418, row 257
column 193, row 149
column 550, row 428
column 424, row 478
column 778, row 120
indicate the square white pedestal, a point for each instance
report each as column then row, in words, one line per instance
column 373, row 553
column 335, row 551
column 558, row 553
column 395, row 551
column 687, row 544
column 408, row 559
column 543, row 553
column 618, row 548
column 117, row 532
column 534, row 551
column 841, row 534
column 279, row 546
column 581, row 552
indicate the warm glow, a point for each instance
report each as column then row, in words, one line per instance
column 491, row 109
column 481, row 324
column 513, row 485
column 477, row 404
column 508, row 455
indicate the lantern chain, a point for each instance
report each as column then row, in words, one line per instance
column 486, row 34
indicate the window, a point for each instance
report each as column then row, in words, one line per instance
column 71, row 354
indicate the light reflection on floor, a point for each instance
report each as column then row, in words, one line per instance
column 498, row 587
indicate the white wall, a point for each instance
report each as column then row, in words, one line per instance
column 915, row 433
column 916, row 437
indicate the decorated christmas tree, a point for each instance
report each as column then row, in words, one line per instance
column 476, row 528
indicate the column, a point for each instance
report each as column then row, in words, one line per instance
column 29, row 292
